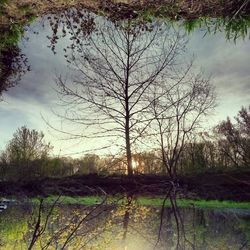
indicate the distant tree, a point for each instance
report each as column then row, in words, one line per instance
column 3, row 165
column 234, row 138
column 60, row 167
column 88, row 164
column 26, row 147
column 147, row 163
column 197, row 156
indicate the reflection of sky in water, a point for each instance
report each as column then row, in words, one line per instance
column 227, row 63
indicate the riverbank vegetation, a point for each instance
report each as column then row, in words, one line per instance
column 231, row 14
column 143, row 201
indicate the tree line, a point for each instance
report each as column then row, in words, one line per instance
column 226, row 147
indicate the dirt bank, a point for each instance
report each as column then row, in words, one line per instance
column 225, row 186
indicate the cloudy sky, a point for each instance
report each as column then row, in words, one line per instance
column 35, row 97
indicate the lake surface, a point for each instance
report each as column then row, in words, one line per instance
column 127, row 226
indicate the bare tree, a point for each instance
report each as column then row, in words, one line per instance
column 179, row 112
column 115, row 67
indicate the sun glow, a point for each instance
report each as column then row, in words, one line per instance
column 134, row 164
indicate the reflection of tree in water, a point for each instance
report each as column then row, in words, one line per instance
column 13, row 65
column 126, row 225
column 70, row 22
column 173, row 220
column 194, row 228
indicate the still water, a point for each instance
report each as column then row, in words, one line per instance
column 125, row 226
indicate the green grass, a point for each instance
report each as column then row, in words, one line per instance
column 233, row 28
column 146, row 201
column 212, row 204
column 68, row 200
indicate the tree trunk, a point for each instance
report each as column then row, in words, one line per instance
column 128, row 150
column 127, row 110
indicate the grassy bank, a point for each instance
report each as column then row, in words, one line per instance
column 212, row 204
column 146, row 201
column 231, row 15
column 175, row 9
